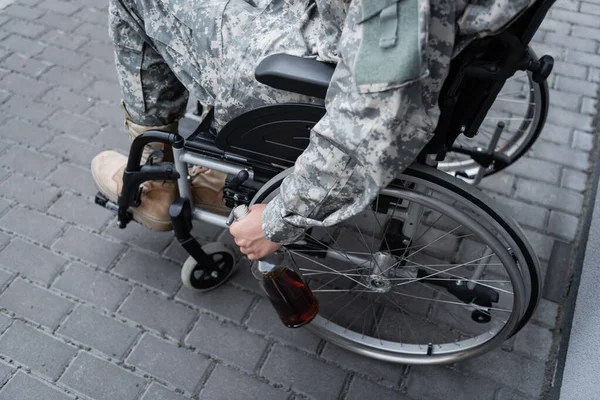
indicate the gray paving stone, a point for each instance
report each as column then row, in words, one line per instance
column 4, row 238
column 362, row 389
column 590, row 8
column 149, row 270
column 62, row 76
column 72, row 150
column 108, row 114
column 553, row 25
column 75, row 178
column 24, row 28
column 4, row 205
column 31, row 261
column 5, row 370
column 573, row 119
column 93, row 286
column 4, row 322
column 22, row 85
column 563, row 225
column 24, row 133
column 546, row 313
column 569, row 69
column 176, row 365
column 35, row 303
column 62, row 7
column 585, row 31
column 25, row 387
column 157, row 392
column 534, row 341
column 158, row 313
column 583, row 58
column 310, row 376
column 25, row 65
column 227, row 301
column 112, row 138
column 20, row 11
column 500, row 183
column 38, row 351
column 578, row 86
column 440, row 383
column 575, row 17
column 142, row 237
column 28, row 162
column 25, row 190
column 571, row 42
column 550, row 196
column 583, row 141
column 104, row 90
column 27, row 109
column 264, row 319
column 77, row 125
column 507, row 394
column 225, row 384
column 562, row 99
column 228, row 342
column 60, row 38
column 92, row 15
column 377, row 370
column 96, row 32
column 77, row 209
column 4, row 94
column 525, row 214
column 574, row 180
column 589, row 106
column 536, row 169
column 100, row 68
column 104, row 51
column 91, row 248
column 67, row 100
column 38, row 226
column 24, row 46
column 594, row 74
column 108, row 335
column 542, row 244
column 101, row 380
column 59, row 21
column 243, row 277
column 508, row 369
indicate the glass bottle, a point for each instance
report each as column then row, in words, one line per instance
column 281, row 280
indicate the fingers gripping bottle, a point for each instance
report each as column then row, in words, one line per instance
column 281, row 280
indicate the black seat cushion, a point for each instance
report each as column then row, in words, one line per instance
column 295, row 74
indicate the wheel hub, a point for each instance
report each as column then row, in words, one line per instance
column 379, row 283
column 381, row 266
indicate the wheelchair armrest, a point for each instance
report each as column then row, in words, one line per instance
column 295, row 74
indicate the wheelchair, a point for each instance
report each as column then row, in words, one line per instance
column 432, row 272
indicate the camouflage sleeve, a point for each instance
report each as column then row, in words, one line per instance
column 373, row 129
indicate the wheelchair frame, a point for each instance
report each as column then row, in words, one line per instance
column 484, row 64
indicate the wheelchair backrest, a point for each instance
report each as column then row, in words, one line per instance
column 478, row 73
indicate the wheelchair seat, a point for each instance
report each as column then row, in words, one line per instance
column 295, row 74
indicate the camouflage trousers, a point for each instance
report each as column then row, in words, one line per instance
column 166, row 50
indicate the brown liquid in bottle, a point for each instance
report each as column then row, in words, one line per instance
column 292, row 299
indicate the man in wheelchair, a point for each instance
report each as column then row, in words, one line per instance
column 391, row 58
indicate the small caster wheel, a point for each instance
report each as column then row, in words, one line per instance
column 481, row 317
column 201, row 278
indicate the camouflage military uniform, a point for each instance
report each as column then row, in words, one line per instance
column 378, row 117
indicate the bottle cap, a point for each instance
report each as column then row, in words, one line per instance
column 240, row 212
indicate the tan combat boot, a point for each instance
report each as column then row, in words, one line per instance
column 153, row 212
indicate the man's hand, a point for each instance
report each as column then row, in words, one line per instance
column 248, row 234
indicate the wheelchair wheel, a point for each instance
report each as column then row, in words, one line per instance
column 425, row 275
column 202, row 279
column 522, row 105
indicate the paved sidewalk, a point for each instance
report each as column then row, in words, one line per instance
column 89, row 311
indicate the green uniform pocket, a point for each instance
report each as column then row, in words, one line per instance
column 393, row 44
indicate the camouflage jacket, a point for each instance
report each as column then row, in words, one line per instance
column 392, row 57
